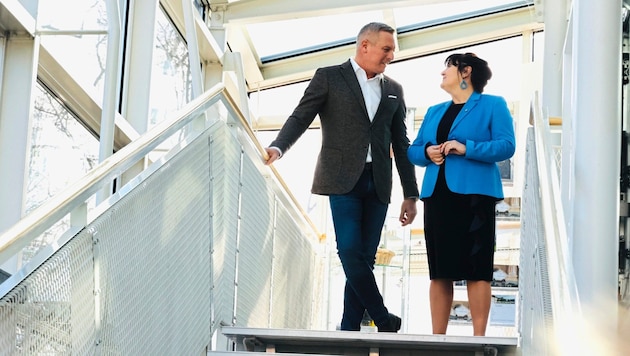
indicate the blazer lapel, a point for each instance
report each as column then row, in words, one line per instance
column 347, row 71
column 471, row 103
column 387, row 97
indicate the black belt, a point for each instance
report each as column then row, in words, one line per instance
column 368, row 166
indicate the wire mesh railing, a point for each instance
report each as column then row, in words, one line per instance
column 205, row 236
column 549, row 309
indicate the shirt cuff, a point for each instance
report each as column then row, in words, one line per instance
column 277, row 149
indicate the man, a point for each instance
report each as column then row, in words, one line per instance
column 362, row 115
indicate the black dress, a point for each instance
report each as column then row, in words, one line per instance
column 459, row 228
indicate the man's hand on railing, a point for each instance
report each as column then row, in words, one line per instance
column 273, row 154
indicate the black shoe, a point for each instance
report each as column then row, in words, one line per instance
column 393, row 324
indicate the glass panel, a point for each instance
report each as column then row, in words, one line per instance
column 277, row 101
column 539, row 47
column 406, row 16
column 83, row 57
column 171, row 80
column 62, row 151
column 81, row 53
column 171, row 86
column 307, row 32
column 199, row 6
column 72, row 15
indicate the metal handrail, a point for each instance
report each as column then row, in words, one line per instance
column 230, row 103
column 54, row 209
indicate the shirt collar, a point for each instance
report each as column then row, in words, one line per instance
column 357, row 69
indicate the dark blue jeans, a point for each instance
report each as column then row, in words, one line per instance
column 358, row 218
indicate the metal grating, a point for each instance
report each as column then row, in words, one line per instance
column 225, row 156
column 198, row 240
column 293, row 275
column 535, row 300
column 255, row 248
column 52, row 312
column 154, row 255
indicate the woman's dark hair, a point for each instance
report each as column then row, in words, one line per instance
column 480, row 73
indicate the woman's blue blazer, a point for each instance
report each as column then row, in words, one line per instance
column 486, row 127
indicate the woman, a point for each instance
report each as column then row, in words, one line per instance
column 459, row 143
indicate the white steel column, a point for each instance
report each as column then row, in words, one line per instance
column 139, row 63
column 214, row 71
column 556, row 20
column 16, row 104
column 596, row 107
column 193, row 47
column 137, row 73
column 567, row 181
column 110, row 92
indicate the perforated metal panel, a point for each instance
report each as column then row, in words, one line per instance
column 154, row 253
column 294, row 275
column 535, row 300
column 52, row 312
column 198, row 240
column 225, row 161
column 255, row 244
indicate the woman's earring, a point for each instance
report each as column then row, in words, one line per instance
column 463, row 85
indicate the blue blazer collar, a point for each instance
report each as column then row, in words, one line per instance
column 470, row 104
column 472, row 101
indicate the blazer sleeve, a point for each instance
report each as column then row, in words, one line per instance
column 501, row 145
column 312, row 101
column 425, row 137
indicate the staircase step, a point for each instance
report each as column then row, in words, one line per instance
column 254, row 353
column 297, row 341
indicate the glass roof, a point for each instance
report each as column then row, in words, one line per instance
column 446, row 11
column 279, row 39
column 308, row 32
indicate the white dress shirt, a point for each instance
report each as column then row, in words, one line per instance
column 371, row 89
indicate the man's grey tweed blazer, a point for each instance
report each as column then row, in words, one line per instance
column 334, row 93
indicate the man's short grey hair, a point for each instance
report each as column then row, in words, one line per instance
column 374, row 27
